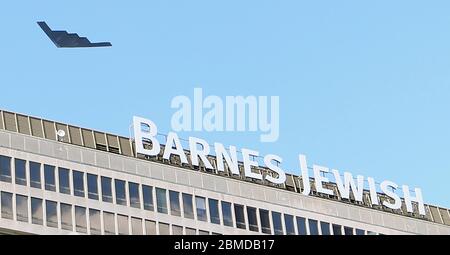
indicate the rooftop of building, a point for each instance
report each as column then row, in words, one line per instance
column 85, row 137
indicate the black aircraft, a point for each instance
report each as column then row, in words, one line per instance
column 62, row 39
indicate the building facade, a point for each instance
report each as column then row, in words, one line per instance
column 60, row 179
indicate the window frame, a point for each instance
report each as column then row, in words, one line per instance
column 175, row 206
column 5, row 171
column 64, row 189
column 227, row 214
column 302, row 227
column 264, row 216
column 188, row 206
column 277, row 218
column 239, row 216
column 252, row 216
column 49, row 170
column 106, row 187
column 289, row 224
column 22, row 165
column 81, row 225
column 337, row 228
column 202, row 213
column 36, row 212
column 22, row 214
column 147, row 196
column 76, row 184
column 94, row 228
column 7, row 203
column 313, row 227
column 54, row 205
column 133, row 195
column 214, row 211
column 35, row 180
column 120, row 187
column 69, row 224
column 92, row 190
column 161, row 201
column 325, row 228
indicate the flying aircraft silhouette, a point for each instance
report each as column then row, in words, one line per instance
column 63, row 39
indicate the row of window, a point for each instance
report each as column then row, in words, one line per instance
column 112, row 223
column 167, row 201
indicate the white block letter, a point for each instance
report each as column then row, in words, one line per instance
column 145, row 135
column 418, row 199
column 319, row 179
column 349, row 183
column 305, row 175
column 232, row 161
column 173, row 146
column 248, row 163
column 373, row 191
column 385, row 187
column 281, row 174
column 196, row 153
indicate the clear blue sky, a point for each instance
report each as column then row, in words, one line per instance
column 364, row 87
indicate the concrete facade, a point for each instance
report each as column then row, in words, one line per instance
column 100, row 163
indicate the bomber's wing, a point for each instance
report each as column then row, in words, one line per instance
column 62, row 39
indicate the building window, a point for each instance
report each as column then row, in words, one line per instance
column 227, row 214
column 240, row 217
column 150, row 228
column 21, row 175
column 265, row 221
column 325, row 227
column 164, row 229
column 337, row 230
column 313, row 227
column 37, row 213
column 360, row 232
column 51, row 213
column 121, row 198
column 191, row 232
column 147, row 193
column 92, row 180
column 348, row 231
column 22, row 208
column 35, row 175
column 277, row 223
column 107, row 190
column 95, row 222
column 200, row 203
column 161, row 200
column 109, row 223
column 66, row 217
column 252, row 219
column 135, row 199
column 64, row 182
column 188, row 206
column 5, row 169
column 289, row 223
column 80, row 219
column 136, row 227
column 175, row 208
column 7, row 206
column 177, row 230
column 78, row 183
column 214, row 211
column 203, row 233
column 122, row 222
column 49, row 177
column 301, row 226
